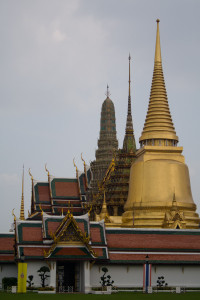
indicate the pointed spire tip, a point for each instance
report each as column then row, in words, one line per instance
column 107, row 92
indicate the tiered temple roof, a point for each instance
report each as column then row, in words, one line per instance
column 57, row 195
column 107, row 144
column 116, row 184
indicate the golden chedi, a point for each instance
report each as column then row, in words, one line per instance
column 159, row 185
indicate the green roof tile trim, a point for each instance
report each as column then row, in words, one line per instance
column 7, row 251
column 151, row 232
column 65, row 198
column 155, row 262
column 7, row 235
column 7, row 261
column 159, row 250
column 58, row 212
column 103, row 241
column 37, row 200
column 25, row 225
column 66, row 205
column 86, row 254
column 53, row 188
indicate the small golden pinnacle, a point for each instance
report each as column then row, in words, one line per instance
column 157, row 20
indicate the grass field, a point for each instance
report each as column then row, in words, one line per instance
column 118, row 296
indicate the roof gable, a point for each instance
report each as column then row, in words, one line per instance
column 68, row 233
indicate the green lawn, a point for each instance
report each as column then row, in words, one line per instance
column 117, row 296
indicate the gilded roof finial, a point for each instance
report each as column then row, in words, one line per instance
column 47, row 170
column 29, row 171
column 83, row 159
column 22, row 198
column 108, row 92
column 85, row 170
column 158, row 49
column 14, row 214
column 75, row 167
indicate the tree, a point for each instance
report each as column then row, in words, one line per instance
column 42, row 273
column 30, row 283
column 106, row 280
column 161, row 282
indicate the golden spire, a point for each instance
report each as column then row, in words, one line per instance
column 158, row 50
column 22, row 198
column 104, row 210
column 158, row 128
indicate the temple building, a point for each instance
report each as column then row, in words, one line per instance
column 116, row 180
column 130, row 213
column 107, row 144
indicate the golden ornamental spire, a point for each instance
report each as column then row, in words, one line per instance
column 158, row 128
column 22, row 198
column 158, row 49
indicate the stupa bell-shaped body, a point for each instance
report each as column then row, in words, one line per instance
column 159, row 186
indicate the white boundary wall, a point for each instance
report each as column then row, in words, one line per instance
column 123, row 275
column 132, row 275
column 32, row 268
column 180, row 275
column 7, row 270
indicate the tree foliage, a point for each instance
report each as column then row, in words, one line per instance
column 29, row 281
column 42, row 273
column 106, row 279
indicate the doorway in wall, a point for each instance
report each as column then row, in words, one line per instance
column 68, row 277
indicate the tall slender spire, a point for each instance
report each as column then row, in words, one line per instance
column 22, row 198
column 107, row 92
column 158, row 128
column 158, row 48
column 129, row 140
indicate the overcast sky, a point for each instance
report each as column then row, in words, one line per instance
column 56, row 58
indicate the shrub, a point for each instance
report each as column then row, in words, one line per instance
column 9, row 281
column 42, row 273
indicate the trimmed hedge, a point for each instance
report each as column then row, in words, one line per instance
column 9, row 281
